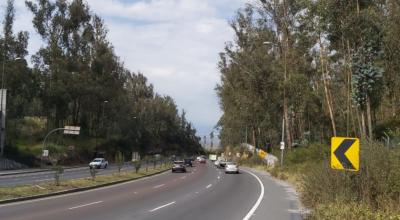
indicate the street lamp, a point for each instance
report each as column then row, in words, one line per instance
column 102, row 118
column 2, row 108
column 282, row 144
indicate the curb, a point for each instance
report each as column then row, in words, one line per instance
column 20, row 199
column 46, row 170
column 36, row 171
column 24, row 172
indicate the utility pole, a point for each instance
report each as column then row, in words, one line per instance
column 282, row 145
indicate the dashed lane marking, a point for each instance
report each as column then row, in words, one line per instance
column 80, row 206
column 163, row 206
column 158, row 186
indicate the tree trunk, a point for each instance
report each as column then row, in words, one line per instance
column 369, row 118
column 254, row 137
column 363, row 128
column 324, row 68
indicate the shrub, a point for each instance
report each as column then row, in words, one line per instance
column 375, row 186
column 137, row 164
column 58, row 171
column 338, row 211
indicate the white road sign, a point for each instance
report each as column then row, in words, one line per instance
column 72, row 130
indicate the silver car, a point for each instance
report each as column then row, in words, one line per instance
column 98, row 163
column 231, row 167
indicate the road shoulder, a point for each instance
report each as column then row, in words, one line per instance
column 280, row 200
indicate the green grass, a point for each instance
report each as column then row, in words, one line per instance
column 51, row 187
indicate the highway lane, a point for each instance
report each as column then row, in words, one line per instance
column 46, row 176
column 203, row 193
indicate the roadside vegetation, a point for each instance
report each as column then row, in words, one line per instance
column 61, row 185
column 371, row 193
column 77, row 79
column 318, row 69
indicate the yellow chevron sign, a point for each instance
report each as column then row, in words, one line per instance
column 345, row 153
column 262, row 153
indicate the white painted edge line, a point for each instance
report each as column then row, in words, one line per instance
column 253, row 209
column 158, row 186
column 163, row 206
column 80, row 206
column 208, row 186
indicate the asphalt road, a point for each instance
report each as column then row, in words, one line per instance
column 46, row 176
column 203, row 193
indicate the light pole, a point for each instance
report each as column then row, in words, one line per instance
column 102, row 118
column 282, row 144
column 2, row 103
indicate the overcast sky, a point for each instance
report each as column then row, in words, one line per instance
column 174, row 43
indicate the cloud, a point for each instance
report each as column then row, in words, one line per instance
column 174, row 43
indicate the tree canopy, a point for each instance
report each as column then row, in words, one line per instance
column 77, row 79
column 326, row 67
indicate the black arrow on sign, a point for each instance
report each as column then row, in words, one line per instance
column 341, row 150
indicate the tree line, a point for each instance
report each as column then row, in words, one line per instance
column 76, row 78
column 315, row 68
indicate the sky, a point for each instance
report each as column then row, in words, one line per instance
column 174, row 43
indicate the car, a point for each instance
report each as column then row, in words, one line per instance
column 178, row 166
column 222, row 164
column 98, row 163
column 216, row 163
column 202, row 160
column 188, row 162
column 231, row 167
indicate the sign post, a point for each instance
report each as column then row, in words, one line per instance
column 282, row 141
column 3, row 102
column 345, row 153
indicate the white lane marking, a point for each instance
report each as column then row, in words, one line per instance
column 197, row 192
column 208, row 186
column 163, row 206
column 43, row 180
column 135, row 192
column 80, row 206
column 183, row 177
column 218, row 177
column 158, row 186
column 253, row 209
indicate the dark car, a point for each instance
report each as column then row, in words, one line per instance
column 188, row 162
column 178, row 166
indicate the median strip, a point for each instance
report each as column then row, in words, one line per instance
column 29, row 192
column 80, row 206
column 163, row 206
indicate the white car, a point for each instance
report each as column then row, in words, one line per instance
column 98, row 163
column 231, row 167
column 216, row 163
